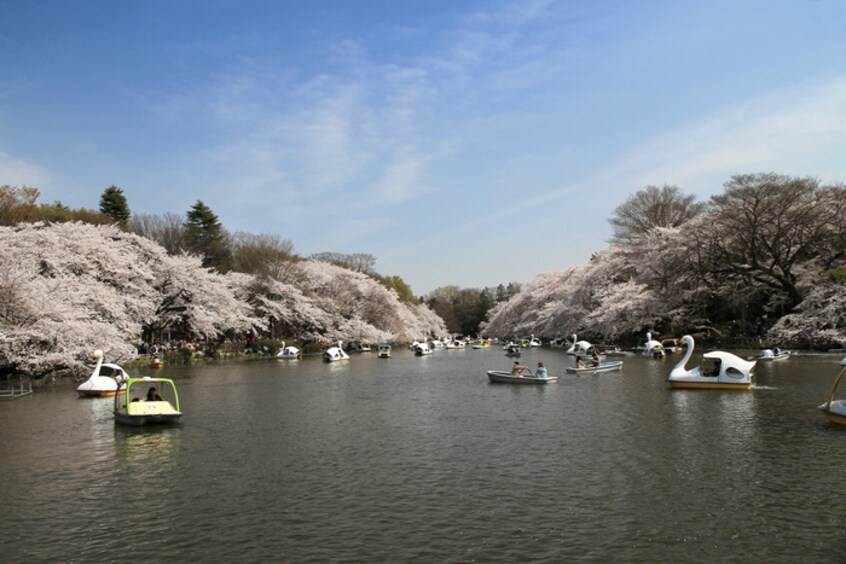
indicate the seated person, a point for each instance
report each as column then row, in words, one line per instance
column 153, row 394
column 714, row 371
column 594, row 357
column 579, row 362
column 541, row 371
column 517, row 368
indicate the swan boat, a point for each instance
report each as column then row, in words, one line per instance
column 335, row 354
column 137, row 407
column 525, row 377
column 603, row 367
column 835, row 410
column 723, row 370
column 105, row 381
column 288, row 352
column 422, row 349
column 558, row 343
column 774, row 354
column 579, row 347
column 652, row 347
column 456, row 345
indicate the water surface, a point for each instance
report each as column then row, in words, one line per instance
column 420, row 458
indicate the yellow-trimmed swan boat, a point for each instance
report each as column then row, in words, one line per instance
column 105, row 381
column 336, row 354
column 835, row 410
column 720, row 370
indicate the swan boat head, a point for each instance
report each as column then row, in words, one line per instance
column 572, row 347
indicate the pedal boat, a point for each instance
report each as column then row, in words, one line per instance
column 136, row 410
column 383, row 350
column 105, row 381
column 724, row 371
column 835, row 410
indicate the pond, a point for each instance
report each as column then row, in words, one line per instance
column 421, row 458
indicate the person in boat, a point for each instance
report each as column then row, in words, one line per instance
column 517, row 368
column 153, row 394
column 715, row 371
column 579, row 362
column 594, row 357
column 541, row 371
column 776, row 351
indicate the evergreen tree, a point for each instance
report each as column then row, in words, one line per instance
column 113, row 204
column 205, row 236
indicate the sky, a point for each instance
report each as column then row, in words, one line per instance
column 460, row 142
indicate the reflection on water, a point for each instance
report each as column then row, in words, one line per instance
column 421, row 458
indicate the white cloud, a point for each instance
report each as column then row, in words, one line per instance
column 18, row 172
column 791, row 133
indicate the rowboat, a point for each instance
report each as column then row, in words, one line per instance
column 603, row 367
column 774, row 354
column 525, row 377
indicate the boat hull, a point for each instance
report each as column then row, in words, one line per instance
column 774, row 358
column 99, row 393
column 607, row 367
column 498, row 377
column 689, row 385
column 834, row 417
column 142, row 420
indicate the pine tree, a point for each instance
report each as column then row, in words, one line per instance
column 113, row 204
column 205, row 236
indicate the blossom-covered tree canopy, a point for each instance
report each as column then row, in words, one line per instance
column 759, row 260
column 68, row 289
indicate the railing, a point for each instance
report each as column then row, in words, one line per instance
column 15, row 392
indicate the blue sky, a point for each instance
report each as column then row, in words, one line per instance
column 460, row 142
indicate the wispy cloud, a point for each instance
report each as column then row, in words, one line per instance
column 785, row 132
column 19, row 172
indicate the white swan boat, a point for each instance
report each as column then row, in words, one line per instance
column 835, row 410
column 652, row 347
column 579, row 347
column 774, row 354
column 289, row 352
column 525, row 377
column 719, row 370
column 603, row 367
column 456, row 345
column 422, row 349
column 148, row 401
column 558, row 343
column 105, row 381
column 335, row 354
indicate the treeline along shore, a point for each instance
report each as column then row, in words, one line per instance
column 762, row 262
